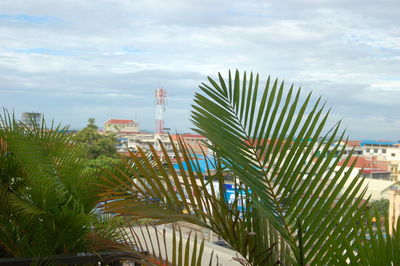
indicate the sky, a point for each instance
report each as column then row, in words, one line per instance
column 76, row 59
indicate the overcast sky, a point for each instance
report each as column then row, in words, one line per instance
column 72, row 60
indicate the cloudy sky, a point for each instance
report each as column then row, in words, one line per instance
column 76, row 59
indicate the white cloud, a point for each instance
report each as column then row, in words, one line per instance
column 111, row 55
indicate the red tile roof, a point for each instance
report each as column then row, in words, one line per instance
column 174, row 136
column 119, row 121
column 361, row 162
column 353, row 143
column 374, row 170
column 187, row 135
column 365, row 163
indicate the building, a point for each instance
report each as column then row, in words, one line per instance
column 394, row 207
column 383, row 155
column 197, row 143
column 140, row 140
column 352, row 147
column 30, row 119
column 382, row 150
column 133, row 141
column 376, row 173
column 369, row 167
column 121, row 126
column 395, row 170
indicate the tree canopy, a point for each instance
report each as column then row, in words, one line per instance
column 95, row 144
column 99, row 150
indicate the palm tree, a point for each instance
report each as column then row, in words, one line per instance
column 291, row 204
column 47, row 201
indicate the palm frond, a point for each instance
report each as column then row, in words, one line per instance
column 293, row 203
column 151, row 245
column 373, row 241
column 270, row 142
column 47, row 199
column 150, row 188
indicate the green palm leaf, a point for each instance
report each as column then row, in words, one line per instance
column 300, row 206
column 270, row 142
column 47, row 199
column 147, row 188
column 373, row 243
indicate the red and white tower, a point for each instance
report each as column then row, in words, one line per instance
column 160, row 110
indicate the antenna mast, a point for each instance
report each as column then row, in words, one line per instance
column 160, row 112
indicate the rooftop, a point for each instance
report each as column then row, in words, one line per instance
column 374, row 171
column 188, row 135
column 377, row 142
column 365, row 163
column 353, row 143
column 119, row 121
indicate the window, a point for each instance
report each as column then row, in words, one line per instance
column 383, row 150
column 375, row 150
column 368, row 150
column 393, row 154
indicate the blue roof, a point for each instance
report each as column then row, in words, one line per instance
column 375, row 142
column 201, row 162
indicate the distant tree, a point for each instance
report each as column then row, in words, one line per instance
column 99, row 149
column 381, row 206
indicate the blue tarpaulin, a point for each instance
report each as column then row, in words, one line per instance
column 200, row 163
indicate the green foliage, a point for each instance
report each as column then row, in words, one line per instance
column 48, row 200
column 297, row 209
column 381, row 206
column 263, row 137
column 143, row 190
column 99, row 150
column 96, row 145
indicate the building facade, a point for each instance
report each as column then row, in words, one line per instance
column 382, row 150
column 196, row 142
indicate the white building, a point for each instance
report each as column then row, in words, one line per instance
column 134, row 141
column 384, row 151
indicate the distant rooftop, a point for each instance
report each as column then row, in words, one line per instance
column 362, row 162
column 119, row 121
column 189, row 135
column 353, row 143
column 374, row 171
column 378, row 142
